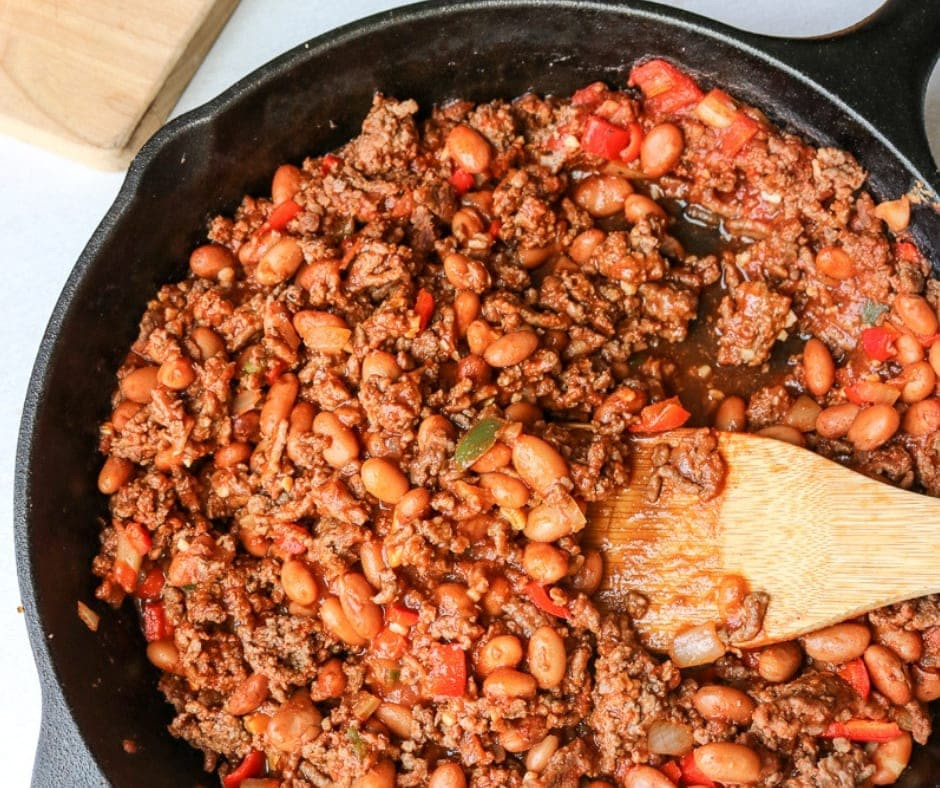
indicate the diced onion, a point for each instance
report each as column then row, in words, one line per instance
column 365, row 705
column 245, row 400
column 88, row 616
column 669, row 738
column 697, row 646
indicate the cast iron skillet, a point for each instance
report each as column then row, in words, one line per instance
column 862, row 91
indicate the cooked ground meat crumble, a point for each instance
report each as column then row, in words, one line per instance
column 349, row 455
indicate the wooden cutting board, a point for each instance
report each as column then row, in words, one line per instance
column 93, row 79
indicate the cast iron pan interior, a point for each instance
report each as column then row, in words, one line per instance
column 98, row 688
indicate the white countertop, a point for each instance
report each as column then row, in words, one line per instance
column 38, row 254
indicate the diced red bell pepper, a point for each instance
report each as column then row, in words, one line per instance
column 448, row 674
column 905, row 250
column 152, row 585
column 855, row 674
column 290, row 538
column 672, row 771
column 329, row 163
column 153, row 617
column 872, row 392
column 541, row 599
column 424, row 308
column 124, row 575
column 462, row 181
column 662, row 416
column 878, row 342
column 602, row 138
column 276, row 368
column 282, row 214
column 737, row 134
column 138, row 537
column 691, row 774
column 251, row 766
column 494, row 228
column 665, row 88
column 863, row 730
column 400, row 619
column 388, row 644
column 632, row 151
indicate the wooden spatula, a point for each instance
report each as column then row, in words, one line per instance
column 826, row 543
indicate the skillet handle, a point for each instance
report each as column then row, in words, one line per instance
column 61, row 756
column 880, row 67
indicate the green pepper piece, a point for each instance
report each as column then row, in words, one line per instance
column 477, row 442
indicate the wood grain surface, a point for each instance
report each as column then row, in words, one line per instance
column 93, row 79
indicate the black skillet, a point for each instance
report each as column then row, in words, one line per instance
column 862, row 90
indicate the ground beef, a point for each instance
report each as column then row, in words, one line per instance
column 349, row 459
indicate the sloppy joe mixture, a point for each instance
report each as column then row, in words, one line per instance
column 350, row 454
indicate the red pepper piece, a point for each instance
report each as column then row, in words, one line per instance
column 905, row 250
column 661, row 416
column 424, row 307
column 691, row 774
column 462, row 181
column 276, row 368
column 672, row 771
column 737, row 134
column 602, row 138
column 152, row 585
column 282, row 214
column 153, row 616
column 863, row 730
column 855, row 674
column 541, row 599
column 138, row 537
column 448, row 674
column 124, row 575
column 872, row 392
column 399, row 617
column 494, row 228
column 251, row 766
column 291, row 539
column 665, row 88
column 632, row 151
column 329, row 163
column 878, row 342
column 388, row 644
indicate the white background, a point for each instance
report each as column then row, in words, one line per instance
column 49, row 207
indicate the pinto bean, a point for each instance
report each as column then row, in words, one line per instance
column 499, row 455
column 891, row 759
column 466, row 310
column 838, row 643
column 584, row 244
column 379, row 364
column 887, row 674
column 279, row 402
column 728, row 762
column 834, row 422
column 465, row 224
column 506, row 490
column 209, row 260
column 453, row 600
column 138, row 385
column 834, row 262
column 295, row 723
column 330, row 681
column 480, row 336
column 280, row 262
column 501, row 651
column 334, row 619
column 540, row 754
column 922, row 418
column 602, row 195
column 465, row 273
column 819, row 370
column 779, row 662
column 383, row 479
column 342, row 447
column 731, row 415
column 783, row 432
column 505, row 683
column 639, row 206
column 661, row 150
column 298, row 583
column 916, row 313
column 209, row 343
column 643, row 776
column 382, row 775
column 123, row 413
column 544, row 563
column 909, row 349
column 926, row 684
column 538, row 463
column 546, row 657
column 919, row 382
column 524, row 412
column 322, row 332
column 248, row 695
column 874, row 427
column 589, row 576
column 355, row 597
column 468, row 148
column 906, row 643
column 176, row 373
column 718, row 703
column 285, row 184
column 397, row 718
column 114, row 474
column 448, row 775
column 511, row 348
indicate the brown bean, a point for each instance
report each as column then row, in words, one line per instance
column 383, row 479
column 731, row 592
column 330, row 681
column 465, row 224
column 342, row 446
column 624, row 400
column 538, row 463
column 464, row 273
column 497, row 596
column 926, row 684
column 466, row 310
column 468, row 148
column 279, row 402
column 176, row 373
column 497, row 456
column 208, row 342
column 295, row 723
column 379, row 364
column 819, row 370
column 922, row 418
column 209, row 260
column 589, row 576
column 639, row 206
column 778, row 663
column 838, row 643
column 475, row 369
column 373, row 562
column 916, row 313
column 718, row 703
column 434, row 429
column 602, row 195
column 334, row 619
column 919, row 382
column 834, row 422
column 322, row 332
column 584, row 244
column 661, row 150
column 891, row 758
column 643, row 776
column 164, row 655
column 549, row 522
column 448, row 775
column 453, row 600
column 512, row 348
column 248, row 695
column 873, row 427
column 114, row 474
column 727, row 762
column 540, row 754
column 544, row 563
column 285, row 183
column 783, row 432
column 280, row 262
column 933, row 356
column 501, row 651
column 546, row 657
column 834, row 262
column 507, row 491
column 355, row 597
column 413, row 504
column 123, row 413
column 480, row 336
column 887, row 674
column 518, row 738
column 382, row 775
column 397, row 718
column 298, row 583
column 509, row 683
column 909, row 349
column 138, row 385
column 524, row 412
column 906, row 643
column 731, row 415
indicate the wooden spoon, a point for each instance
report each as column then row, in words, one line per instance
column 825, row 542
